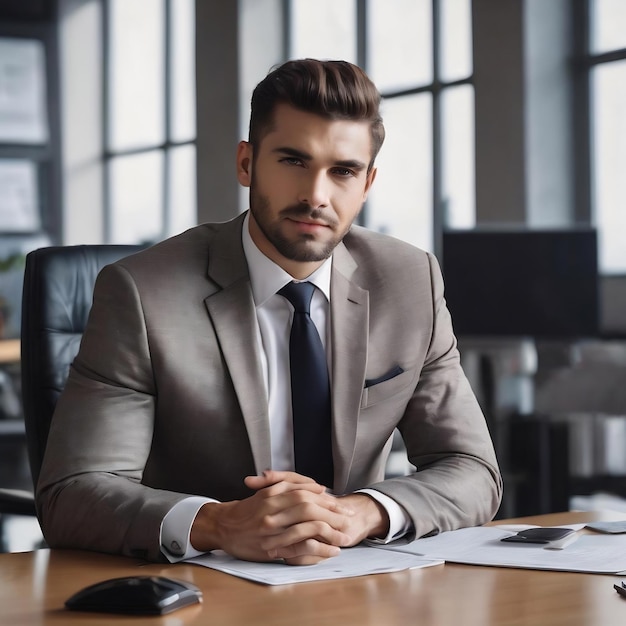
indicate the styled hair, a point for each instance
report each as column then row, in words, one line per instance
column 336, row 90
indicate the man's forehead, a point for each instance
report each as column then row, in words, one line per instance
column 297, row 129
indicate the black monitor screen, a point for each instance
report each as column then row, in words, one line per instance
column 541, row 283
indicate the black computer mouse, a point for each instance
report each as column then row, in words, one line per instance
column 135, row 595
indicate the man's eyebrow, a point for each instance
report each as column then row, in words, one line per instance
column 353, row 164
column 292, row 152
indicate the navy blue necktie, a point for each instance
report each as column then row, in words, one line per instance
column 310, row 389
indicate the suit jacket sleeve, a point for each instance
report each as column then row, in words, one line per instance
column 457, row 482
column 90, row 494
column 152, row 409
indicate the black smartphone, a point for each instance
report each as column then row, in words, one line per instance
column 538, row 535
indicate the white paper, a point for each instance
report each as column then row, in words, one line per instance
column 357, row 561
column 592, row 553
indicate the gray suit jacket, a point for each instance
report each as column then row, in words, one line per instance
column 166, row 396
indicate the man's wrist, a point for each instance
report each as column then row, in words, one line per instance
column 176, row 529
column 399, row 521
column 372, row 515
column 379, row 520
column 204, row 534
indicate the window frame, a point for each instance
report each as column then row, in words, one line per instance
column 585, row 61
column 435, row 88
column 165, row 147
column 47, row 155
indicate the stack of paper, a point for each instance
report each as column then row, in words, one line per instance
column 357, row 561
column 593, row 553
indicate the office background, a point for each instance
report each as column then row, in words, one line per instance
column 119, row 121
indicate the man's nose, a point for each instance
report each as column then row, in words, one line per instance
column 315, row 190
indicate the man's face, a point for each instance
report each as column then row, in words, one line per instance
column 308, row 181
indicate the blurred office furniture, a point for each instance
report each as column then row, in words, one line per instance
column 508, row 290
column 570, row 447
column 16, row 495
column 502, row 372
column 58, row 289
column 13, row 499
column 587, row 394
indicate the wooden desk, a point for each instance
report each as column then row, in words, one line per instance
column 9, row 350
column 34, row 586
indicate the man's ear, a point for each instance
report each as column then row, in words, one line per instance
column 244, row 163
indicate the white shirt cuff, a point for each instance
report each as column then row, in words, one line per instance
column 399, row 522
column 176, row 529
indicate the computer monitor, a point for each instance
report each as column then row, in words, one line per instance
column 533, row 283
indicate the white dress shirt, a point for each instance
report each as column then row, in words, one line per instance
column 274, row 315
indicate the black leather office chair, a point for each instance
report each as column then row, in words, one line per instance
column 56, row 300
column 16, row 502
column 12, row 441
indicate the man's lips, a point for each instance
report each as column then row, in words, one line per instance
column 307, row 225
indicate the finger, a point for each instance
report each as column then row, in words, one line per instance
column 272, row 477
column 274, row 489
column 289, row 504
column 338, row 506
column 319, row 532
column 305, row 552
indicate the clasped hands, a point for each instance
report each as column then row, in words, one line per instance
column 289, row 517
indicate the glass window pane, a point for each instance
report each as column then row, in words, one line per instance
column 136, row 73
column 401, row 199
column 608, row 25
column 136, row 198
column 182, row 189
column 609, row 166
column 399, row 43
column 457, row 134
column 323, row 29
column 456, row 39
column 183, row 70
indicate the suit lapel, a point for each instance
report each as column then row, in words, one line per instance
column 233, row 314
column 349, row 336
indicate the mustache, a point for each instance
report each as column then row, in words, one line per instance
column 304, row 210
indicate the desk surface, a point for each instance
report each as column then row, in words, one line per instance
column 34, row 586
column 9, row 350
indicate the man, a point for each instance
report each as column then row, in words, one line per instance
column 174, row 434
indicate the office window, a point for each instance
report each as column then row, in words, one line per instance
column 607, row 63
column 323, row 29
column 418, row 52
column 149, row 119
column 29, row 165
column 401, row 198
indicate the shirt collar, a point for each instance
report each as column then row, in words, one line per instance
column 267, row 278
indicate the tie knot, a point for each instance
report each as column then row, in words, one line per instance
column 299, row 294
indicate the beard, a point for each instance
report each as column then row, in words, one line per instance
column 305, row 248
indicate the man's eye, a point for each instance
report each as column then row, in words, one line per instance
column 343, row 171
column 291, row 161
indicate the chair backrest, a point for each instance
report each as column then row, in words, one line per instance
column 56, row 300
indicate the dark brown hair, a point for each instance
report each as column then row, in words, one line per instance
column 331, row 89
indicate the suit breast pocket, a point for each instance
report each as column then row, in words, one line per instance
column 387, row 388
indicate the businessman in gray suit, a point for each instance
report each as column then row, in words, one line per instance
column 175, row 433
